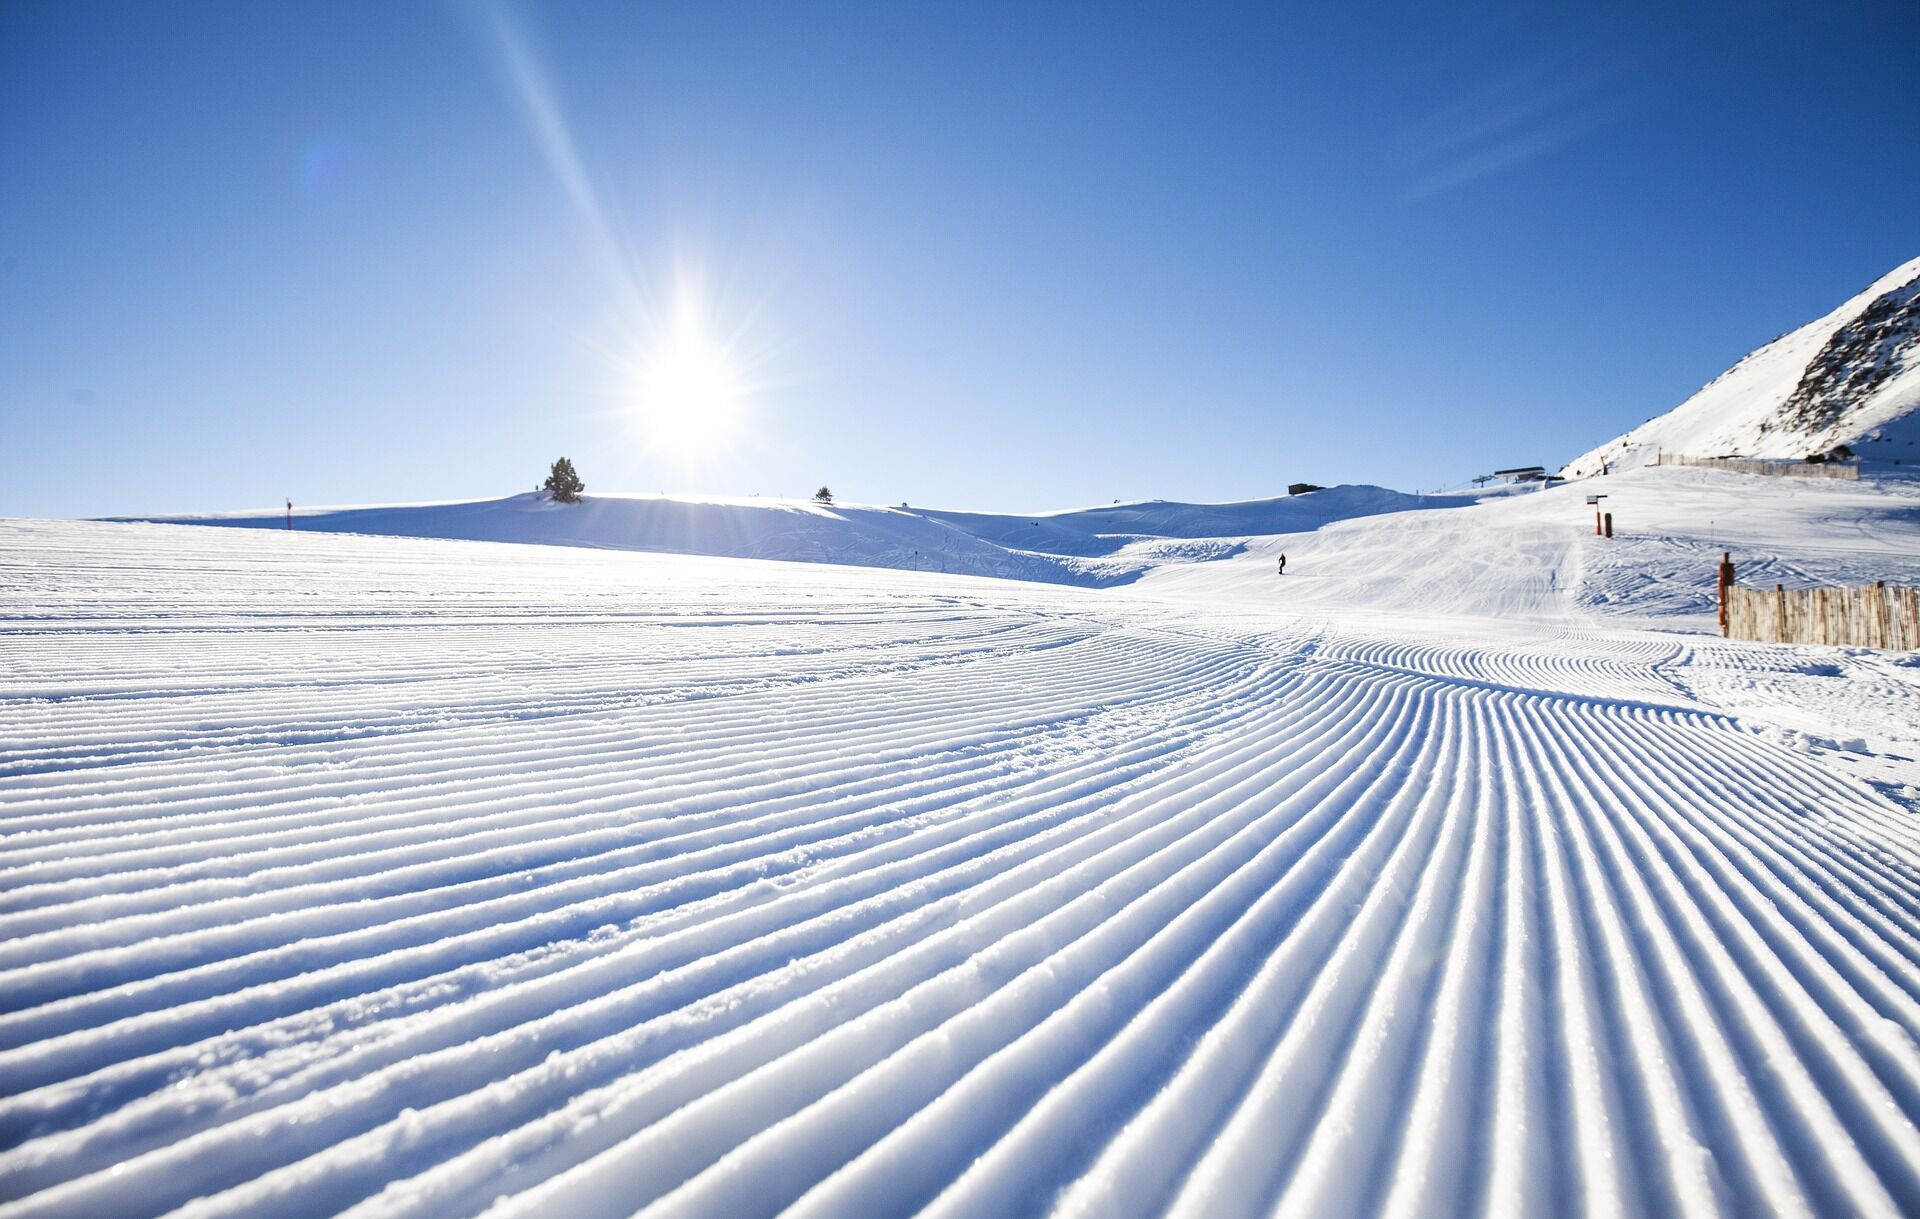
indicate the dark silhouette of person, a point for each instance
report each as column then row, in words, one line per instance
column 1283, row 565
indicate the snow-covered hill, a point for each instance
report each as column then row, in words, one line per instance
column 1851, row 377
column 1092, row 546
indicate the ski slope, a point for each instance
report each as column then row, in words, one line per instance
column 1456, row 871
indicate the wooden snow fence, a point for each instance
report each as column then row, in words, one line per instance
column 1848, row 470
column 1873, row 616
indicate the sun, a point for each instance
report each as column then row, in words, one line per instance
column 689, row 394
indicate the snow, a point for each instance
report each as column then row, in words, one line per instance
column 1461, row 868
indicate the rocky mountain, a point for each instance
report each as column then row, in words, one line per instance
column 1850, row 378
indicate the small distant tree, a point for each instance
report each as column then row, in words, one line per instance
column 823, row 496
column 564, row 483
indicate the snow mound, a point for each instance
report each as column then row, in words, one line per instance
column 1851, row 377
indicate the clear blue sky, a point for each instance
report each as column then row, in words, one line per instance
column 1018, row 257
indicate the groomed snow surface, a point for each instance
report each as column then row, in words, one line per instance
column 1457, row 871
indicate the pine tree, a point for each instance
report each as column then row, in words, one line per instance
column 823, row 495
column 564, row 483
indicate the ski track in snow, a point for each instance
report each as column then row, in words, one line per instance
column 435, row 878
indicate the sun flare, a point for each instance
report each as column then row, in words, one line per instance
column 689, row 393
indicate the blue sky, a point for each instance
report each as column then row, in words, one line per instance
column 1006, row 257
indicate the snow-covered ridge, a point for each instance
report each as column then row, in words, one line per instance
column 1089, row 546
column 1851, row 377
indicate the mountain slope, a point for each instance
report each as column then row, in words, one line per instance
column 1851, row 377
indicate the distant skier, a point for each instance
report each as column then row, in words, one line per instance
column 1283, row 565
